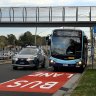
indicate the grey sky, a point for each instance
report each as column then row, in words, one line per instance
column 47, row 2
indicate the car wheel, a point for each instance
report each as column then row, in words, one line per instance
column 56, row 68
column 37, row 65
column 15, row 67
column 43, row 64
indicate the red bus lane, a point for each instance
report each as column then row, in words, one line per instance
column 44, row 82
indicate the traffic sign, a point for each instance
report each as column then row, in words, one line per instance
column 94, row 29
column 44, row 82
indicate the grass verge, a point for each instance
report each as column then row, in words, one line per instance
column 87, row 84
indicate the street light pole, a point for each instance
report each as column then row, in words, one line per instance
column 35, row 35
column 92, row 46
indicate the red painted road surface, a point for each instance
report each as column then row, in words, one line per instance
column 44, row 82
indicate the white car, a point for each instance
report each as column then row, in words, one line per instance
column 29, row 57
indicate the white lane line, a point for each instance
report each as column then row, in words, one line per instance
column 7, row 81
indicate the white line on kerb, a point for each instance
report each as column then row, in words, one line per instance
column 6, row 81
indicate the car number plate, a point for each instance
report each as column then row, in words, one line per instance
column 21, row 62
column 65, row 64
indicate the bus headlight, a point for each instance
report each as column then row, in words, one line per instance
column 52, row 61
column 79, row 63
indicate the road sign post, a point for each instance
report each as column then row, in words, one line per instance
column 93, row 35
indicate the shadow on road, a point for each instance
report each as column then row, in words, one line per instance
column 73, row 70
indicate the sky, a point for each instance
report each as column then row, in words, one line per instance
column 47, row 3
column 32, row 3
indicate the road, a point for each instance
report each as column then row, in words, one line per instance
column 7, row 73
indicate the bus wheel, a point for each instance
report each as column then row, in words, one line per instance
column 15, row 68
column 55, row 68
column 81, row 69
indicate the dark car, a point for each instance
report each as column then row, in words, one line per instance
column 29, row 57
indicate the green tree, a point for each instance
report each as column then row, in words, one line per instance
column 3, row 41
column 12, row 39
column 43, row 40
column 26, row 39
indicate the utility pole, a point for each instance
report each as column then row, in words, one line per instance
column 92, row 41
column 35, row 35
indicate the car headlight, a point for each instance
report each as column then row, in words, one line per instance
column 15, row 59
column 29, row 59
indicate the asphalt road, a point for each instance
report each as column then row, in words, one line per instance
column 7, row 73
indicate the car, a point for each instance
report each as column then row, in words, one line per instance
column 6, row 54
column 29, row 57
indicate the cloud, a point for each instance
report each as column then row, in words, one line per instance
column 75, row 2
column 66, row 1
column 88, row 1
column 28, row 3
column 31, row 3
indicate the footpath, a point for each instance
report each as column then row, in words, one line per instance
column 9, row 61
column 89, row 66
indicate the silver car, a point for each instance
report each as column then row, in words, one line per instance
column 29, row 57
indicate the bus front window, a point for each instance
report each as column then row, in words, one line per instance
column 65, row 46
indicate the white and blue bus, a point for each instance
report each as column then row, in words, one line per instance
column 68, row 48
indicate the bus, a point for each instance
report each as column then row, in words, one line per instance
column 68, row 48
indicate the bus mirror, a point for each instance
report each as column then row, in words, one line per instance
column 85, row 39
column 48, row 40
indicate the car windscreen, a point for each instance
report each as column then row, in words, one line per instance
column 28, row 51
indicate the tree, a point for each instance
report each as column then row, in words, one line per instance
column 44, row 41
column 26, row 39
column 3, row 41
column 11, row 39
